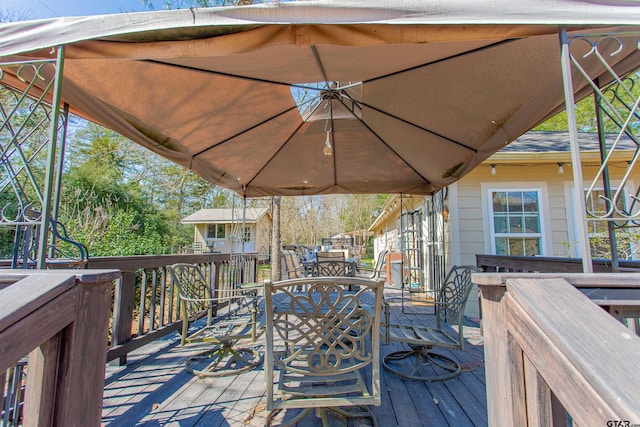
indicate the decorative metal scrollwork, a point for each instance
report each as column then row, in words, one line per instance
column 619, row 101
column 25, row 143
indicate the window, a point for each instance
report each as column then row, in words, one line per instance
column 516, row 222
column 215, row 231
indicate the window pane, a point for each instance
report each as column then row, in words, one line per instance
column 515, row 246
column 499, row 201
column 531, row 247
column 220, row 231
column 211, row 231
column 500, row 224
column 530, row 201
column 593, row 201
column 501, row 246
column 532, row 224
column 515, row 201
column 515, row 224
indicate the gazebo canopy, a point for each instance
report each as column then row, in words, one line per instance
column 326, row 96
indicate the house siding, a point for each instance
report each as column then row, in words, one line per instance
column 556, row 208
column 468, row 229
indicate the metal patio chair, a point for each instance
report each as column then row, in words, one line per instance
column 330, row 256
column 292, row 267
column 334, row 268
column 232, row 314
column 375, row 272
column 319, row 343
column 420, row 362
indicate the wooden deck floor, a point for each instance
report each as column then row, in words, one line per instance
column 155, row 390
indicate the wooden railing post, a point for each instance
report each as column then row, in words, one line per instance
column 84, row 355
column 503, row 403
column 543, row 407
column 123, row 311
column 41, row 383
column 254, row 268
column 61, row 320
column 215, row 282
column 551, row 352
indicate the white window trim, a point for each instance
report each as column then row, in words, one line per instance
column 572, row 224
column 454, row 225
column 487, row 212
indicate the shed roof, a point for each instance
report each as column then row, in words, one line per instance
column 221, row 216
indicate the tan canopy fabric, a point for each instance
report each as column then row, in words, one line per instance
column 412, row 95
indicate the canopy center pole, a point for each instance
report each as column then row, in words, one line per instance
column 578, row 196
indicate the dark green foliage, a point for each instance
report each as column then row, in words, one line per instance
column 118, row 199
column 618, row 98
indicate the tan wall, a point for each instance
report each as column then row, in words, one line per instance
column 386, row 233
column 468, row 230
column 470, row 217
column 200, row 234
column 468, row 224
column 262, row 233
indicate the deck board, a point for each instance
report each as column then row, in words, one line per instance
column 155, row 390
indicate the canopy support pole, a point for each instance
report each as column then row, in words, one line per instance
column 606, row 180
column 578, row 196
column 58, row 185
column 50, row 178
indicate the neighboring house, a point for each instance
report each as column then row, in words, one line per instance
column 220, row 230
column 518, row 202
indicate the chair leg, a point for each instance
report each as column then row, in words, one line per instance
column 360, row 411
column 290, row 423
column 427, row 366
column 223, row 360
column 387, row 322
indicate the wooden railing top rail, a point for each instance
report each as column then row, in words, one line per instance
column 19, row 302
column 549, row 264
column 579, row 280
column 593, row 371
column 132, row 263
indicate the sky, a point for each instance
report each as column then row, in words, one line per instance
column 39, row 9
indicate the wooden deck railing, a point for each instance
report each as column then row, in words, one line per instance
column 548, row 264
column 552, row 354
column 60, row 319
column 145, row 306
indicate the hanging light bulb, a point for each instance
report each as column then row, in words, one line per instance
column 493, row 168
column 560, row 168
column 327, row 150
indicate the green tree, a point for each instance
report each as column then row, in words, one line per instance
column 107, row 212
column 619, row 97
column 121, row 199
